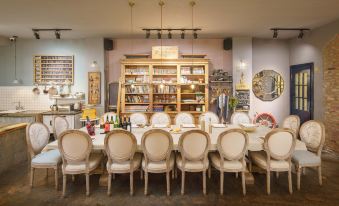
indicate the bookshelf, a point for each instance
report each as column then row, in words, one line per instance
column 172, row 86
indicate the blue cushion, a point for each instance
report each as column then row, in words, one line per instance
column 305, row 158
column 49, row 158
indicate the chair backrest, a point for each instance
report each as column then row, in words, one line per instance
column 60, row 125
column 75, row 146
column 312, row 133
column 292, row 122
column 194, row 144
column 209, row 115
column 157, row 145
column 160, row 118
column 239, row 118
column 37, row 137
column 103, row 118
column 232, row 144
column 280, row 143
column 138, row 118
column 120, row 145
column 184, row 118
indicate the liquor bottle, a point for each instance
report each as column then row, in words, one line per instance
column 107, row 125
column 124, row 123
column 116, row 123
column 120, row 125
column 111, row 124
column 129, row 125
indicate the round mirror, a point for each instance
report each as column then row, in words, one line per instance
column 267, row 85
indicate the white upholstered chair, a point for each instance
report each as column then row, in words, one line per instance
column 60, row 124
column 232, row 147
column 184, row 118
column 209, row 115
column 312, row 133
column 120, row 147
column 193, row 146
column 239, row 118
column 160, row 118
column 138, row 118
column 157, row 146
column 279, row 146
column 37, row 137
column 75, row 147
column 292, row 122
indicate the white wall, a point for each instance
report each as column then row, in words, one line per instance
column 272, row 54
column 84, row 51
column 309, row 49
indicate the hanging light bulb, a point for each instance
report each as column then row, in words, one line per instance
column 169, row 34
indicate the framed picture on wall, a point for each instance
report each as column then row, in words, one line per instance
column 94, row 87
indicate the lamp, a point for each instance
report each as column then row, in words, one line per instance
column 169, row 34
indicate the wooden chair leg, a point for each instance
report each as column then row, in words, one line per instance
column 87, row 184
column 46, row 173
column 221, row 182
column 32, row 176
column 131, row 182
column 304, row 170
column 209, row 171
column 243, row 183
column 182, row 182
column 176, row 172
column 320, row 176
column 268, row 182
column 64, row 182
column 204, row 181
column 109, row 183
column 168, row 183
column 290, row 189
column 56, row 178
column 73, row 178
column 298, row 177
column 113, row 175
column 146, row 182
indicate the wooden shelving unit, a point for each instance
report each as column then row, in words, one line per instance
column 172, row 86
column 58, row 69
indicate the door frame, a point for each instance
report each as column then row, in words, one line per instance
column 302, row 67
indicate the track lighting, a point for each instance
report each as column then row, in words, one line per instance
column 36, row 35
column 57, row 34
column 301, row 34
column 159, row 34
column 182, row 34
column 275, row 33
column 169, row 34
column 148, row 33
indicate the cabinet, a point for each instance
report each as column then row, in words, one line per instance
column 73, row 121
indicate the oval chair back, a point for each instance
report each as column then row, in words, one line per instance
column 194, row 145
column 239, row 118
column 157, row 145
column 292, row 122
column 232, row 144
column 184, row 118
column 209, row 115
column 60, row 125
column 312, row 133
column 37, row 137
column 280, row 144
column 160, row 118
column 138, row 118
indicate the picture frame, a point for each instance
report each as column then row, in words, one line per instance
column 94, row 88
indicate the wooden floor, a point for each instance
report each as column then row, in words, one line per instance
column 15, row 190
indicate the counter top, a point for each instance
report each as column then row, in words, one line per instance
column 26, row 113
column 61, row 113
column 11, row 127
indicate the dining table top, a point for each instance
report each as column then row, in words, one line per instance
column 256, row 138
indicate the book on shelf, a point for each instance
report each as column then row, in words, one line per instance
column 136, row 71
column 139, row 79
column 165, row 89
column 165, row 71
column 137, row 99
column 143, row 89
column 137, row 108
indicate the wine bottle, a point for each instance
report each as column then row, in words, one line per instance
column 129, row 125
column 116, row 124
column 107, row 125
column 124, row 125
column 111, row 124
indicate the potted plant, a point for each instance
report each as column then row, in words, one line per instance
column 232, row 103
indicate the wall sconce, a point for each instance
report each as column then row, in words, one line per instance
column 242, row 65
column 94, row 64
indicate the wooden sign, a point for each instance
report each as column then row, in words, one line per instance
column 165, row 52
column 94, row 87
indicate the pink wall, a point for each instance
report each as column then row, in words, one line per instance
column 219, row 58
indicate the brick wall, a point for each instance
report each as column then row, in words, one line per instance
column 331, row 87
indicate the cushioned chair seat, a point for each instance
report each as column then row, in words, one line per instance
column 261, row 160
column 305, row 158
column 158, row 166
column 94, row 161
column 228, row 165
column 125, row 166
column 191, row 165
column 49, row 158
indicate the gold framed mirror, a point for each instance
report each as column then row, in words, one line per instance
column 267, row 85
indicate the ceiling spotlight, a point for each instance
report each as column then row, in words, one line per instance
column 275, row 33
column 148, row 34
column 183, row 34
column 195, row 34
column 169, row 34
column 159, row 34
column 36, row 35
column 57, row 34
column 301, row 34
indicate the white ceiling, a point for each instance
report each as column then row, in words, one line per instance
column 111, row 18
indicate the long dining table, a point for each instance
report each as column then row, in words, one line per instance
column 256, row 138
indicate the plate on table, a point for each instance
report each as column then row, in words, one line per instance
column 138, row 125
column 248, row 127
column 160, row 125
column 218, row 125
column 188, row 125
column 176, row 131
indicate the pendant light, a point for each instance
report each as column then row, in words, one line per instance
column 13, row 40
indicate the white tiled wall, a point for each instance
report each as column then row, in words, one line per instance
column 10, row 95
